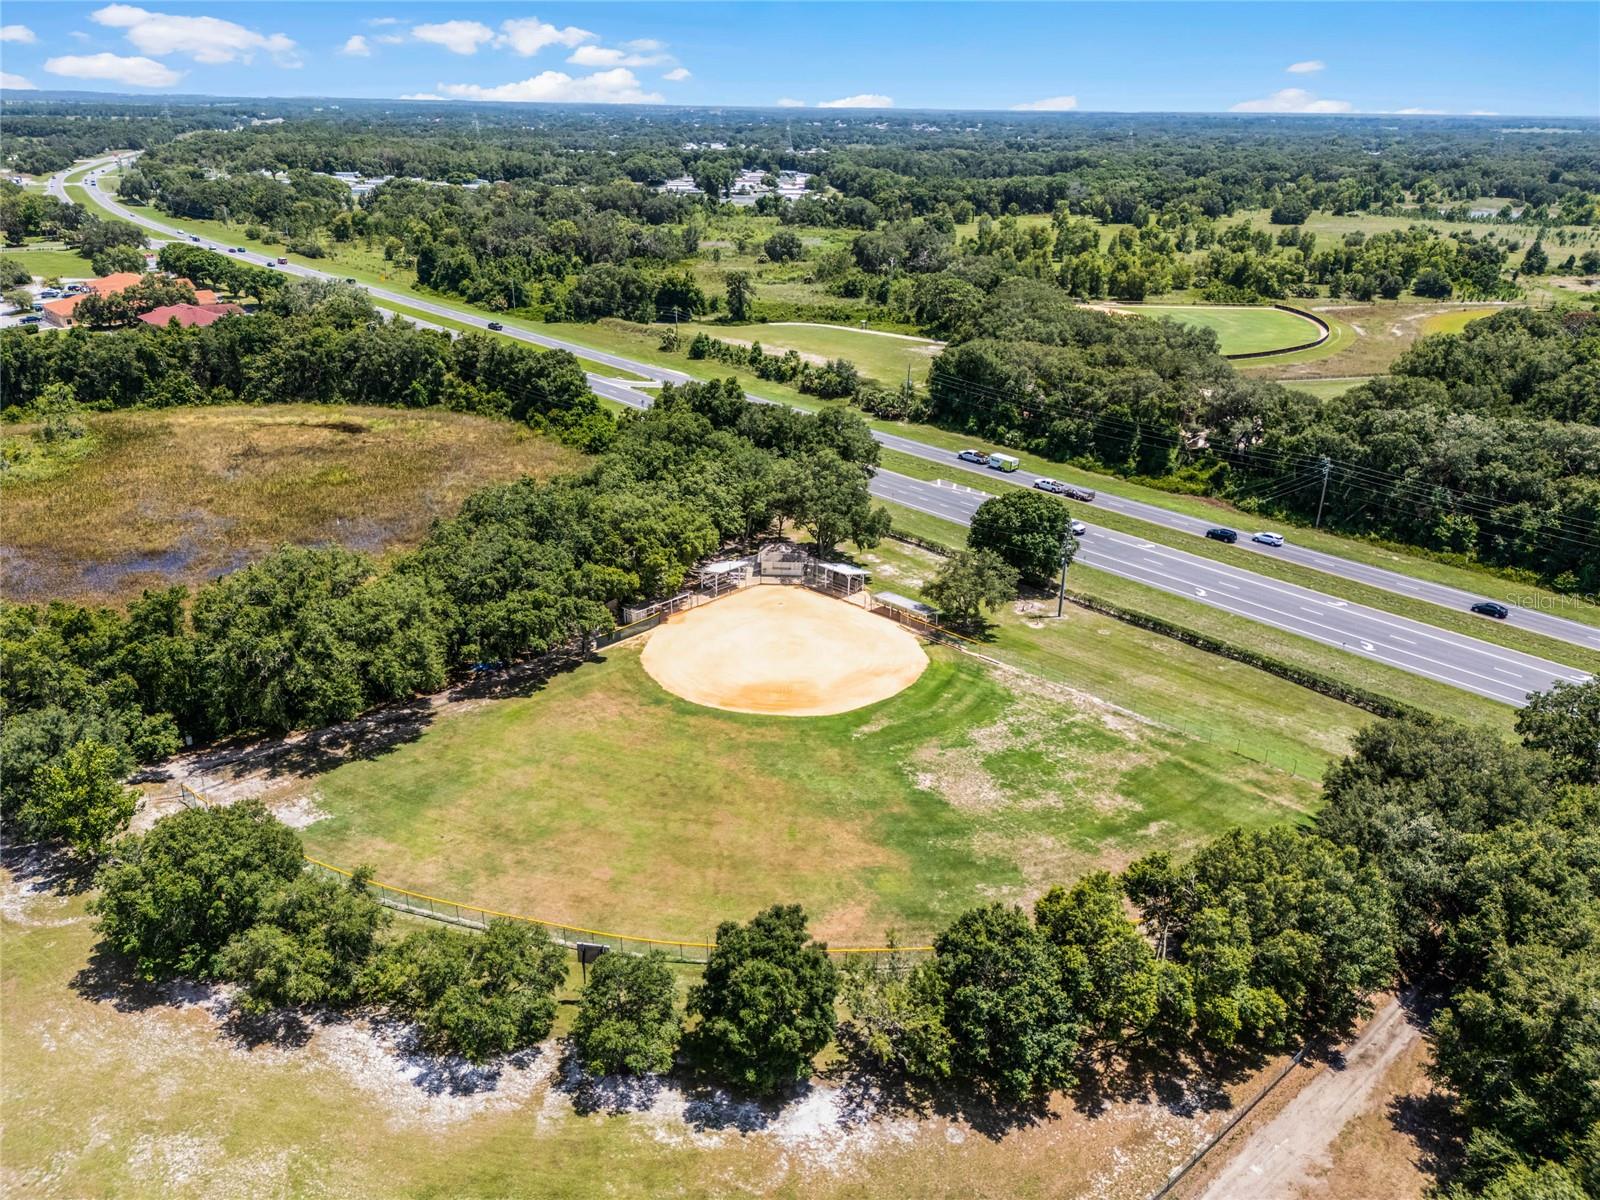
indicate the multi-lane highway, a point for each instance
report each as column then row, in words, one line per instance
column 1447, row 657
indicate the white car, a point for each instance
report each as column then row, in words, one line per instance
column 1079, row 529
column 1268, row 539
column 1048, row 485
column 974, row 456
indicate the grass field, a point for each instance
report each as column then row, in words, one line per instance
column 1242, row 330
column 47, row 263
column 884, row 357
column 1454, row 321
column 181, row 495
column 1367, row 338
column 604, row 801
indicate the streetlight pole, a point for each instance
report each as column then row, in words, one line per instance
column 1327, row 466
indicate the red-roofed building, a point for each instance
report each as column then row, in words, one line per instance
column 189, row 314
column 59, row 312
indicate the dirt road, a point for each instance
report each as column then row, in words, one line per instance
column 1275, row 1161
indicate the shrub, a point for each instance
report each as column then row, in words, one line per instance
column 476, row 996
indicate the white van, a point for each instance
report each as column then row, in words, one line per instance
column 1004, row 462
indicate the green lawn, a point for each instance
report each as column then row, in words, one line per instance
column 1455, row 320
column 1242, row 330
column 606, row 802
column 884, row 357
column 48, row 263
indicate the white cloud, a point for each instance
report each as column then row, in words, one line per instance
column 1419, row 112
column 1048, row 104
column 458, row 37
column 619, row 86
column 356, row 46
column 423, row 96
column 790, row 102
column 645, row 45
column 15, row 83
column 1483, row 112
column 132, row 70
column 677, row 75
column 529, row 35
column 1293, row 100
column 204, row 39
column 18, row 33
column 605, row 56
column 377, row 21
column 78, row 35
column 390, row 39
column 863, row 100
column 1310, row 67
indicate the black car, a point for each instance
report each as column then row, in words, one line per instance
column 496, row 326
column 1489, row 608
column 1222, row 535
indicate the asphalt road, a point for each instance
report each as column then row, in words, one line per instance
column 1451, row 658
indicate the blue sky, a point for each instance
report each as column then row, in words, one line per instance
column 1510, row 59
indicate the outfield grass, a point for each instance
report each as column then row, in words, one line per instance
column 48, row 264
column 1455, row 321
column 181, row 495
column 604, row 801
column 884, row 357
column 1239, row 330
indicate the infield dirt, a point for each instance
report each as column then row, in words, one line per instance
column 784, row 651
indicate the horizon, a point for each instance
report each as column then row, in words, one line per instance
column 1489, row 59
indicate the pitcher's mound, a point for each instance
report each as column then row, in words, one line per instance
column 784, row 650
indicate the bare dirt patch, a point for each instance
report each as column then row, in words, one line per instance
column 783, row 651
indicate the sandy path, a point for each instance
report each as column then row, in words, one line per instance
column 1277, row 1159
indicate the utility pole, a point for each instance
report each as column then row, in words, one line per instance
column 1061, row 593
column 1327, row 467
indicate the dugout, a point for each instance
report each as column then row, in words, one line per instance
column 904, row 609
column 783, row 561
column 837, row 578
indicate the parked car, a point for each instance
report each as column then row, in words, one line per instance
column 1489, row 608
column 1049, row 485
column 1268, row 539
column 49, row 294
column 1079, row 529
column 30, row 319
column 496, row 326
column 1222, row 535
column 981, row 457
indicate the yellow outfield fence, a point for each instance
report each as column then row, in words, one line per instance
column 472, row 916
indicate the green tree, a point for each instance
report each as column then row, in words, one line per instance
column 1565, row 723
column 1012, row 1023
column 80, row 799
column 173, row 897
column 627, row 1019
column 785, row 246
column 967, row 583
column 1088, row 922
column 831, row 503
column 118, row 258
column 741, row 294
column 1028, row 529
column 312, row 939
column 765, row 1002
column 896, row 1019
column 477, row 996
column 1535, row 261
